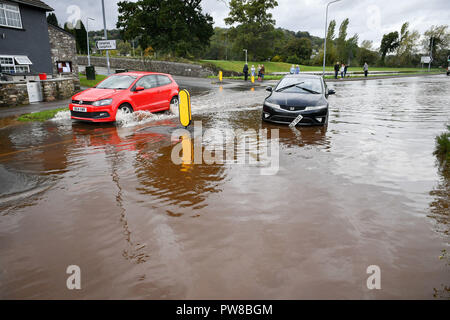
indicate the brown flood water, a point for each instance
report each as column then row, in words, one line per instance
column 366, row 190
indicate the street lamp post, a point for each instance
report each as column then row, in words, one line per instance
column 87, row 32
column 431, row 54
column 325, row 39
column 245, row 55
column 106, row 36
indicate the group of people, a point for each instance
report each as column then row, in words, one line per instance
column 295, row 69
column 261, row 71
column 338, row 68
column 342, row 69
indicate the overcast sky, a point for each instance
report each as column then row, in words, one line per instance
column 369, row 18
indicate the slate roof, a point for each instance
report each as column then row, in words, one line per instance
column 35, row 3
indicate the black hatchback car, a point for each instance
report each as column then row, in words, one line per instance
column 299, row 97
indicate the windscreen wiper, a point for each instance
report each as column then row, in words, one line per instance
column 289, row 86
column 309, row 90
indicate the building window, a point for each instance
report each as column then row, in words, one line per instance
column 10, row 15
column 15, row 64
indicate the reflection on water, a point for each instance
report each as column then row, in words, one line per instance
column 176, row 186
column 107, row 197
column 440, row 213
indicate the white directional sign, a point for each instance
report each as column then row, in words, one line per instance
column 106, row 45
column 425, row 59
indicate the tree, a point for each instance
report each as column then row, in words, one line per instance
column 52, row 19
column 437, row 38
column 389, row 43
column 365, row 55
column 300, row 48
column 330, row 32
column 351, row 48
column 252, row 27
column 340, row 41
column 124, row 48
column 79, row 31
column 331, row 49
column 367, row 44
column 406, row 46
column 170, row 26
column 81, row 38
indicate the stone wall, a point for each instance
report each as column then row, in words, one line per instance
column 13, row 94
column 63, row 48
column 173, row 68
column 58, row 89
column 16, row 93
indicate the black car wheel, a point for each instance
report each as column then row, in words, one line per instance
column 126, row 108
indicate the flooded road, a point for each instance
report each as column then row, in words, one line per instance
column 366, row 190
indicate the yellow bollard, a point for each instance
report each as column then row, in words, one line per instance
column 220, row 76
column 184, row 108
column 253, row 79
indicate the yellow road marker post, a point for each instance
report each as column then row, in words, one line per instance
column 184, row 108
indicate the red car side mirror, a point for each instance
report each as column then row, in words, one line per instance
column 139, row 89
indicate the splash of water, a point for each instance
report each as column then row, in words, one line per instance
column 61, row 116
column 126, row 120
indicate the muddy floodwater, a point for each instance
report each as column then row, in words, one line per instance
column 365, row 190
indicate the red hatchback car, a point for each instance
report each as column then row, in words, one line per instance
column 129, row 91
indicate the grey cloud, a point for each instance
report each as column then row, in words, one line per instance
column 305, row 15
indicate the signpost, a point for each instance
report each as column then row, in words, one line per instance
column 425, row 59
column 106, row 45
column 106, row 37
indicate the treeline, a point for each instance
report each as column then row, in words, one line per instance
column 178, row 29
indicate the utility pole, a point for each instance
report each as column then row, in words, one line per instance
column 226, row 47
column 106, row 36
column 325, row 39
column 431, row 54
column 87, row 32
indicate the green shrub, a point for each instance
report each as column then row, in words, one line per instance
column 277, row 58
column 443, row 147
column 293, row 59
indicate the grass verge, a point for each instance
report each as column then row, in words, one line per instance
column 278, row 77
column 41, row 115
column 285, row 67
column 90, row 83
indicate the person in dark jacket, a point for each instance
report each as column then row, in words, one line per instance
column 245, row 71
column 336, row 70
column 345, row 70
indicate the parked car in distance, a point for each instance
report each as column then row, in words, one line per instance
column 299, row 97
column 129, row 92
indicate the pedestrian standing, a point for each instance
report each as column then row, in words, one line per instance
column 297, row 69
column 342, row 71
column 366, row 69
column 259, row 72
column 253, row 70
column 292, row 71
column 336, row 70
column 263, row 71
column 345, row 70
column 245, row 71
